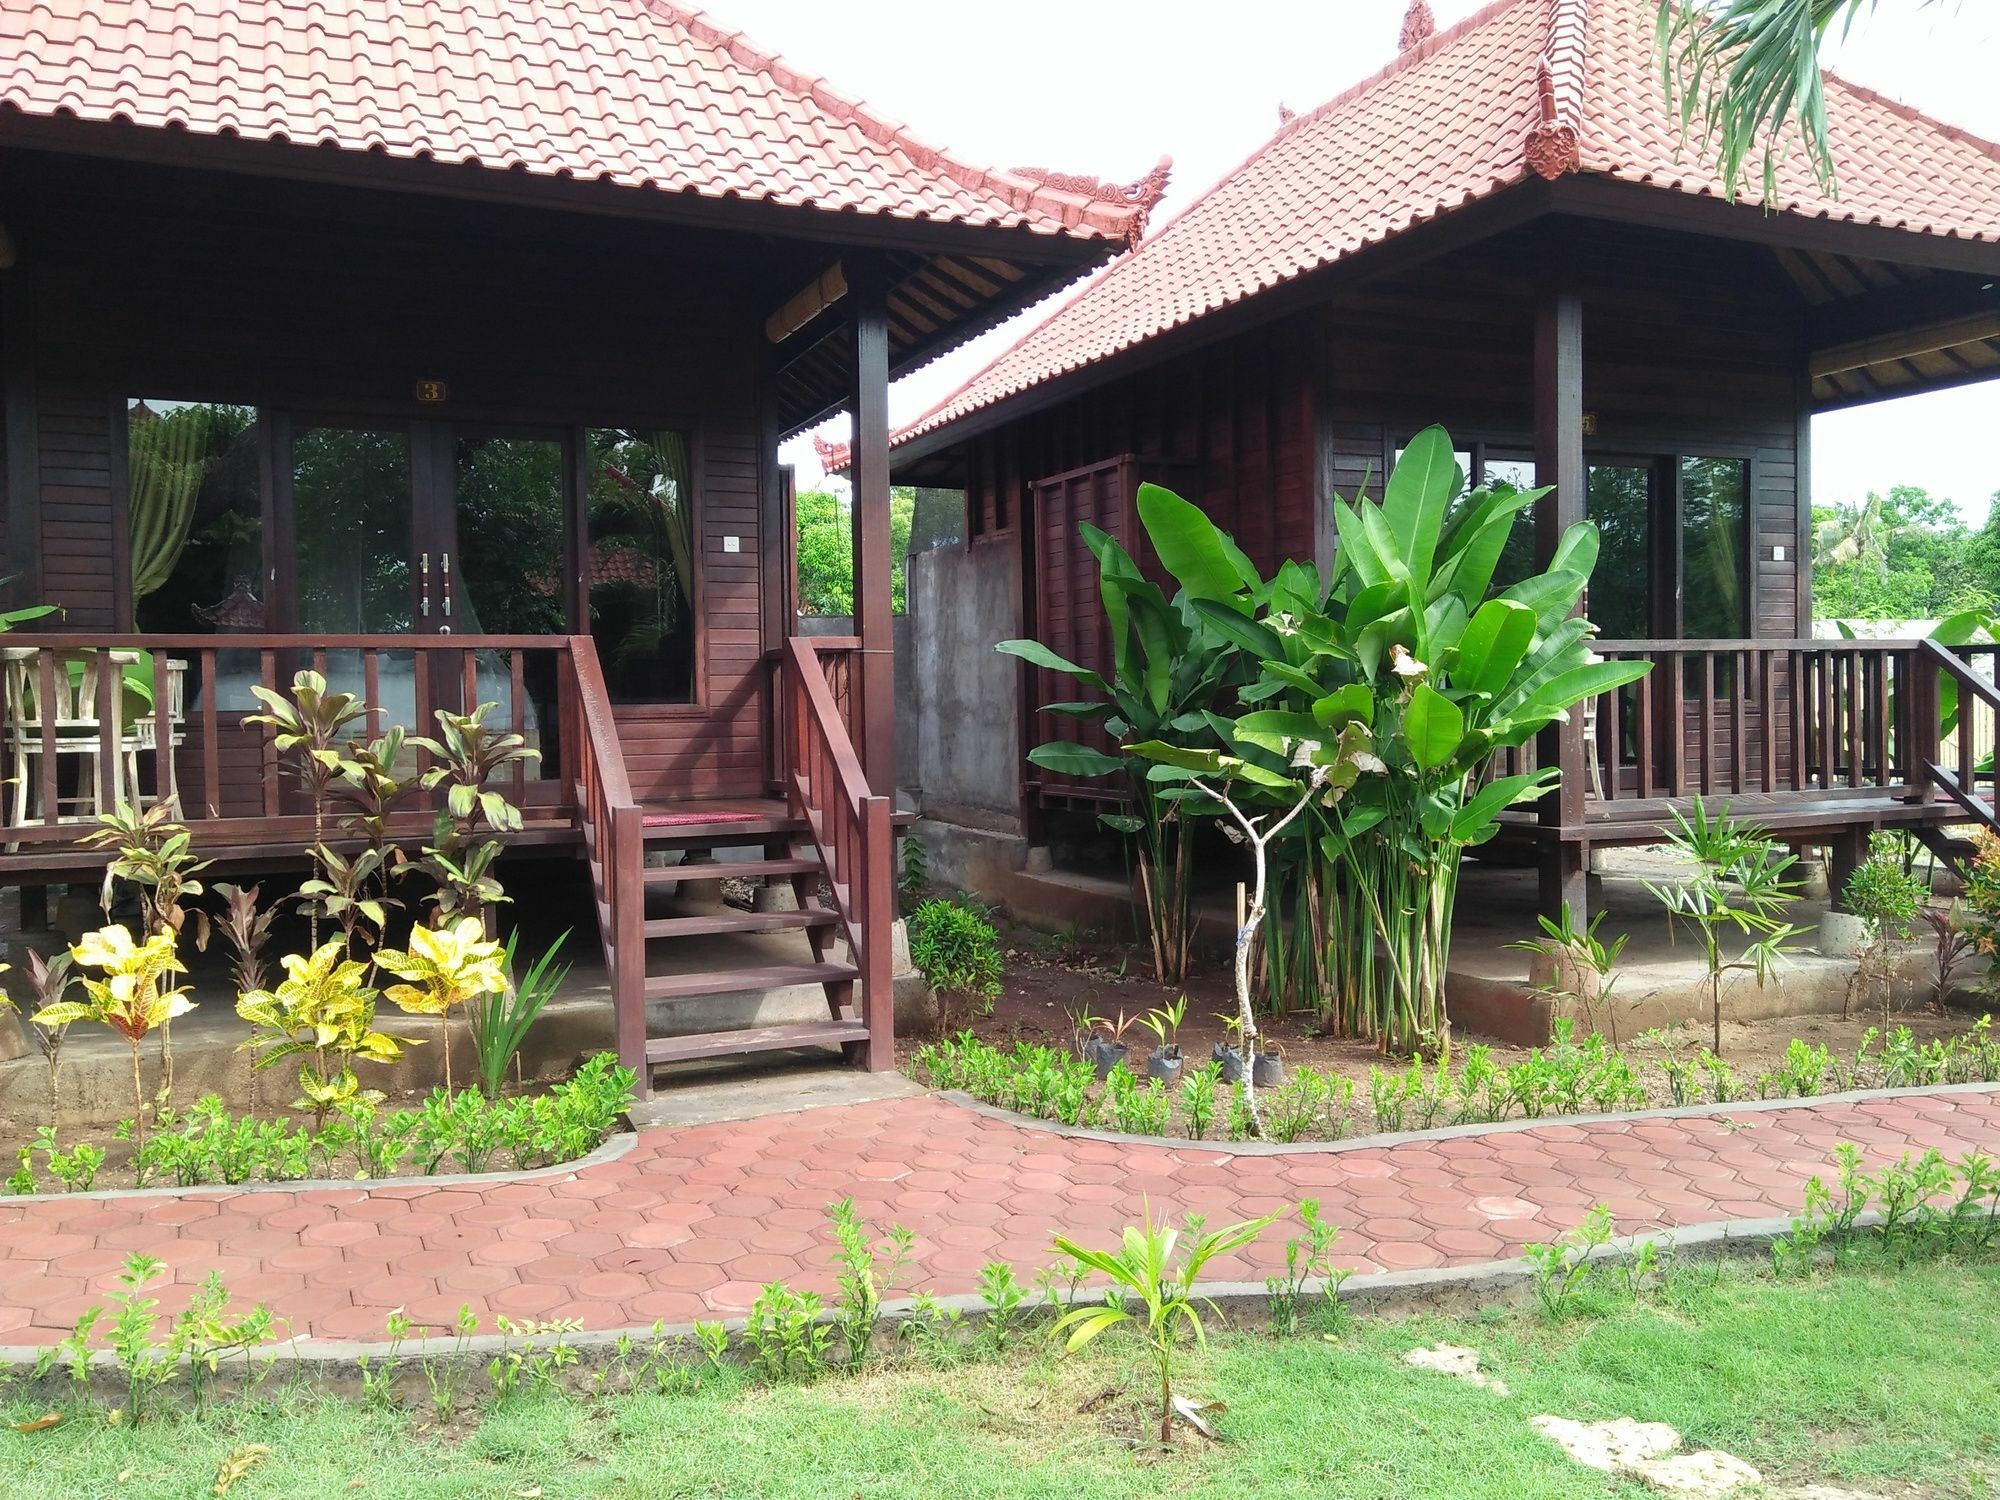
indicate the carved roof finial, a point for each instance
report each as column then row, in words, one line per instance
column 1144, row 195
column 1418, row 26
column 1286, row 114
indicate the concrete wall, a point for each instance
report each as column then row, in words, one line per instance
column 960, row 694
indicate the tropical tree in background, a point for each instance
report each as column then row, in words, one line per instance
column 826, row 550
column 1907, row 555
column 1742, row 73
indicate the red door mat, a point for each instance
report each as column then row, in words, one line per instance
column 686, row 819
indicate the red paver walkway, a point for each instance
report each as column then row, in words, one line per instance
column 691, row 1222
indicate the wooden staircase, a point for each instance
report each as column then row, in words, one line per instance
column 830, row 834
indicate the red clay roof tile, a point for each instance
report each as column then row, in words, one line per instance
column 644, row 93
column 1454, row 119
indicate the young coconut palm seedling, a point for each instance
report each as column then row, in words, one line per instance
column 1739, row 881
column 1151, row 1267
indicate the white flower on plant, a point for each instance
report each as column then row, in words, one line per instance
column 1284, row 624
column 1370, row 762
column 1303, row 755
column 1591, row 658
column 1403, row 664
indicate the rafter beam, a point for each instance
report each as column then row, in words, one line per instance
column 807, row 303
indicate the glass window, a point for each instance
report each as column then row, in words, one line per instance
column 1715, row 522
column 640, row 568
column 1620, row 600
column 351, row 504
column 197, row 520
column 509, row 496
column 1517, row 558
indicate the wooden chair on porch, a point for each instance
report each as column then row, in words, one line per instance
column 59, row 717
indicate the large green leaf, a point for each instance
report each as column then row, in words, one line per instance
column 1188, row 544
column 1036, row 654
column 1356, row 550
column 1277, row 730
column 1566, row 689
column 1420, row 490
column 1474, row 822
column 1492, row 646
column 1434, row 726
column 1233, row 625
column 1352, row 704
column 1066, row 759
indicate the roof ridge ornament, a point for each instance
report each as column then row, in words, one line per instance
column 1143, row 194
column 1553, row 146
column 1419, row 26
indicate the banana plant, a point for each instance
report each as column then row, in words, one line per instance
column 1407, row 644
column 1170, row 668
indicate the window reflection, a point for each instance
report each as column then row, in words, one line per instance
column 640, row 565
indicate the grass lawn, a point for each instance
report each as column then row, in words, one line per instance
column 1876, row 1378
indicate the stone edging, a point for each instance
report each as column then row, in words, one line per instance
column 1432, row 1289
column 613, row 1147
column 1386, row 1140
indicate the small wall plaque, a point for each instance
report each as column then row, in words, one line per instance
column 430, row 390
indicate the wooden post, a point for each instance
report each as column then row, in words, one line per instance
column 874, row 619
column 1558, row 381
column 1926, row 725
column 625, row 872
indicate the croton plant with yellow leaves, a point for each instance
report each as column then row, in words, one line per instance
column 445, row 967
column 323, row 1011
column 132, row 996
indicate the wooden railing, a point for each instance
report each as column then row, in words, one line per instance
column 1963, row 760
column 191, row 741
column 614, row 842
column 1736, row 717
column 850, row 824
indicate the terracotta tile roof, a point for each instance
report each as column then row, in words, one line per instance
column 637, row 92
column 1523, row 85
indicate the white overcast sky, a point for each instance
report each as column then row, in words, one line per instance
column 1109, row 86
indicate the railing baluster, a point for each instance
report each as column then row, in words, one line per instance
column 1645, row 690
column 164, row 775
column 420, row 685
column 1767, row 675
column 468, row 666
column 1857, row 700
column 1739, row 749
column 267, row 674
column 1677, row 690
column 371, row 689
column 1829, row 756
column 211, row 738
column 518, row 720
column 1707, row 722
column 110, row 722
column 51, row 708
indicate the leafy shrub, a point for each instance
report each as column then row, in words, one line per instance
column 956, row 949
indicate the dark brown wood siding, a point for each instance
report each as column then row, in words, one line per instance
column 176, row 284
column 1691, row 346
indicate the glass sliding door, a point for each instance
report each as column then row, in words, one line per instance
column 353, row 530
column 1714, row 533
column 1620, row 502
column 504, row 569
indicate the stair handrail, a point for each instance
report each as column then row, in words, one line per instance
column 850, row 824
column 614, row 834
column 1935, row 663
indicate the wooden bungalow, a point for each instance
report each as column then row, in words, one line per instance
column 445, row 346
column 1504, row 231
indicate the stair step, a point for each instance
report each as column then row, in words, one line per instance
column 740, row 921
column 738, row 981
column 735, row 869
column 724, row 831
column 761, row 1039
